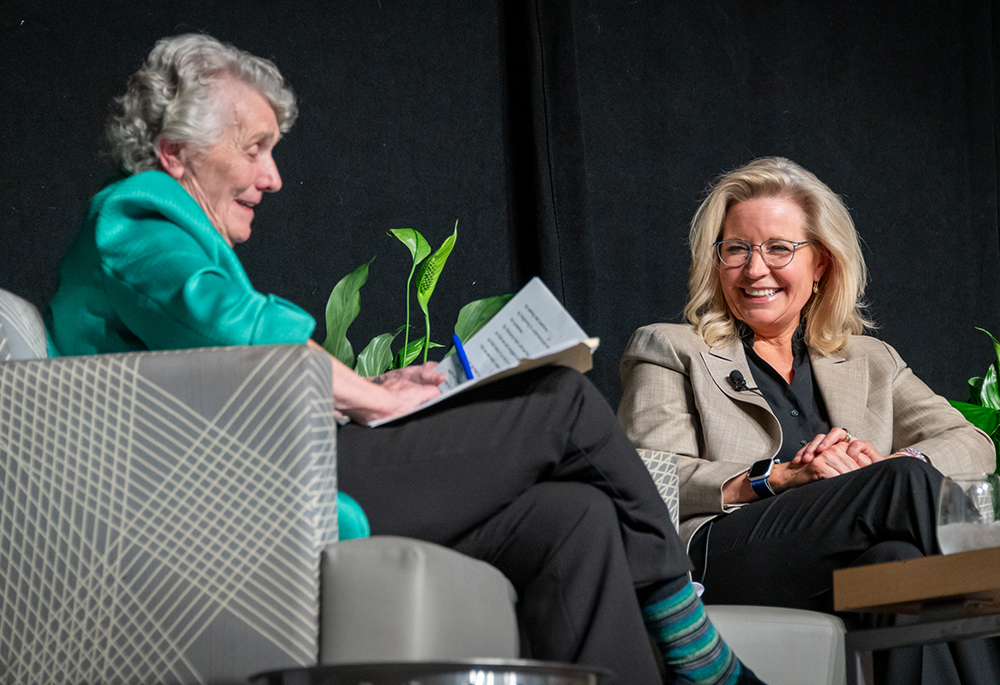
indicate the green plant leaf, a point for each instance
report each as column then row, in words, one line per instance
column 376, row 358
column 431, row 269
column 413, row 351
column 474, row 315
column 985, row 391
column 419, row 248
column 341, row 310
column 427, row 280
column 975, row 388
column 985, row 418
column 989, row 393
column 996, row 345
column 409, row 352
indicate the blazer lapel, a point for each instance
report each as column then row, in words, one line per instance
column 844, row 386
column 722, row 361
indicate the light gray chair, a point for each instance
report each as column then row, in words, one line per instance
column 782, row 646
column 163, row 516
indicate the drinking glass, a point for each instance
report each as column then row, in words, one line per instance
column 969, row 513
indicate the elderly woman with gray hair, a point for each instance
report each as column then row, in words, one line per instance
column 560, row 501
column 804, row 446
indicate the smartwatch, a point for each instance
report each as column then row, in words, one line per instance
column 758, row 475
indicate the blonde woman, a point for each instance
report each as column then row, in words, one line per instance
column 804, row 446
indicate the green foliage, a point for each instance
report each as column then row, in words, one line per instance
column 377, row 356
column 474, row 315
column 427, row 281
column 419, row 249
column 983, row 408
column 344, row 306
column 408, row 353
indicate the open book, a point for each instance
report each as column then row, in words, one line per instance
column 533, row 329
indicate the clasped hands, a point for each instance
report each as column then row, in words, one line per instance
column 826, row 456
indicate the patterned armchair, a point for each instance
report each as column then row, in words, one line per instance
column 163, row 517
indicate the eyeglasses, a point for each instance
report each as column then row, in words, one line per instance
column 775, row 252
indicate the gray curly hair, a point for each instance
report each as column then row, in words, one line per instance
column 172, row 96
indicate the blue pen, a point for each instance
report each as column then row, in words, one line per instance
column 460, row 351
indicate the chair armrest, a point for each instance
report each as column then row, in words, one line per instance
column 784, row 646
column 22, row 331
column 162, row 513
column 662, row 466
column 389, row 598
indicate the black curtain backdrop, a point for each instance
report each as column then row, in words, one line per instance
column 571, row 139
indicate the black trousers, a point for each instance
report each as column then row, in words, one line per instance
column 782, row 551
column 533, row 475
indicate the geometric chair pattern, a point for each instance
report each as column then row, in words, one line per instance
column 162, row 514
column 662, row 466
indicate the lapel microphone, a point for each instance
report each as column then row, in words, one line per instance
column 736, row 378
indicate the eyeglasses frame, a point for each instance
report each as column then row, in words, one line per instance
column 760, row 248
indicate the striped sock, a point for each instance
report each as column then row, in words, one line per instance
column 690, row 645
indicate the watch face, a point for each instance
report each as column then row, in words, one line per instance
column 760, row 469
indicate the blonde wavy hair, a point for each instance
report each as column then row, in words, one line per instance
column 173, row 96
column 831, row 315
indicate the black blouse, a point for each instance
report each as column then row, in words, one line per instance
column 798, row 405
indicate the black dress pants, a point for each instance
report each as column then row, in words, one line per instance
column 533, row 475
column 782, row 551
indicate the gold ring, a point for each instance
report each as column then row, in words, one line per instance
column 848, row 437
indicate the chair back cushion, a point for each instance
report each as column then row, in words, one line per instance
column 22, row 331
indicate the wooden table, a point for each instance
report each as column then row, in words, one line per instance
column 954, row 596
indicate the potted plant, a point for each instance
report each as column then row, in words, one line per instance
column 983, row 408
column 377, row 357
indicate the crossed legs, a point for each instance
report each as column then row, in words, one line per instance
column 533, row 475
column 783, row 551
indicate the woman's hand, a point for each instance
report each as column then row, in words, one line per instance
column 832, row 462
column 861, row 451
column 424, row 374
column 395, row 392
column 826, row 456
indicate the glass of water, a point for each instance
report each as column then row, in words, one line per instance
column 969, row 513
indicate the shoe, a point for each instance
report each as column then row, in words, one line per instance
column 747, row 677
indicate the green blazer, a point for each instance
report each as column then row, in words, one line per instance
column 677, row 398
column 148, row 271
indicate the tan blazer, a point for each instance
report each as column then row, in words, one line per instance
column 678, row 398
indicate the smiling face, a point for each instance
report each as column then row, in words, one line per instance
column 768, row 299
column 231, row 177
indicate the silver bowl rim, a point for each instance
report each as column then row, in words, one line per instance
column 389, row 668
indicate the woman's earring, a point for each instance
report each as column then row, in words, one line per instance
column 815, row 287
